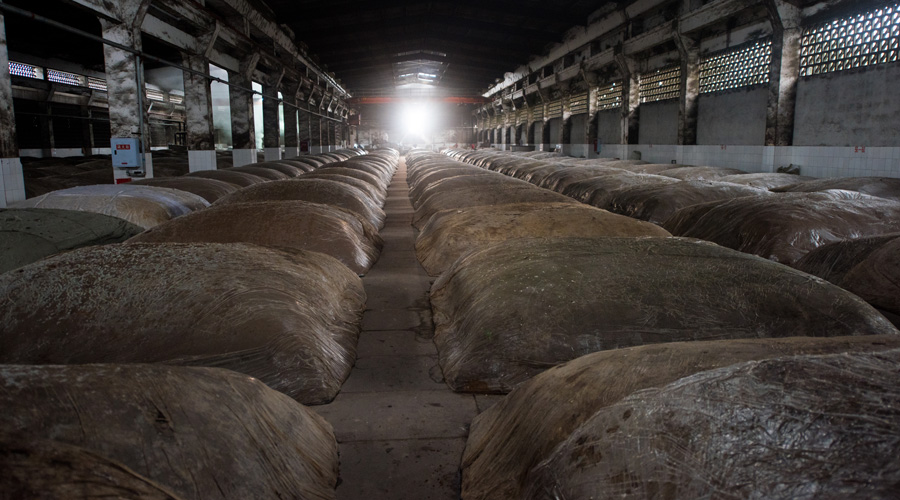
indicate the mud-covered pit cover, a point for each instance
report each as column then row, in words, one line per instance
column 508, row 312
column 784, row 428
column 482, row 195
column 656, row 202
column 30, row 234
column 882, row 187
column 288, row 319
column 296, row 225
column 208, row 189
column 153, row 431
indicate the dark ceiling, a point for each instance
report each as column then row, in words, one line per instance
column 459, row 45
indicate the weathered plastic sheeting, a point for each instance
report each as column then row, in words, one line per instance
column 506, row 313
column 784, row 428
column 371, row 190
column 242, row 179
column 478, row 194
column 290, row 319
column 310, row 161
column 208, row 189
column 30, row 234
column 882, row 187
column 650, row 168
column 283, row 167
column 599, row 187
column 419, row 183
column 560, row 180
column 868, row 267
column 657, row 202
column 765, row 180
column 264, row 172
column 152, row 431
column 380, row 185
column 294, row 225
column 422, row 190
column 324, row 191
column 520, row 431
column 144, row 206
column 693, row 173
column 450, row 235
column 786, row 226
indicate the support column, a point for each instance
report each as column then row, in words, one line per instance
column 545, row 134
column 125, row 86
column 315, row 140
column 200, row 140
column 631, row 100
column 291, row 137
column 271, row 125
column 690, row 89
column 87, row 132
column 784, row 72
column 304, row 131
column 12, row 179
column 590, row 124
column 48, row 142
column 243, row 136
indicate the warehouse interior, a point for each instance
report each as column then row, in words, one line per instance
column 561, row 249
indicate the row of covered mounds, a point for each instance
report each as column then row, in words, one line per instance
column 678, row 319
column 777, row 216
column 258, row 304
column 35, row 228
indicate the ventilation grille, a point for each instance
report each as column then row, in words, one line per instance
column 736, row 68
column 853, row 42
column 661, row 84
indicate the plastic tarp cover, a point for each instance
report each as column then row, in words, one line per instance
column 208, row 189
column 288, row 319
column 765, row 180
column 174, row 432
column 657, row 202
column 882, row 187
column 505, row 313
column 144, row 206
column 242, row 179
column 596, row 190
column 30, row 234
column 693, row 173
column 462, row 182
column 786, row 226
column 785, row 428
column 322, row 191
column 558, row 181
column 295, row 225
column 285, row 168
column 374, row 192
column 454, row 233
column 868, row 267
column 521, row 430
column 269, row 174
column 362, row 175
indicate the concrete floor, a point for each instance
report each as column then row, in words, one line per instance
column 400, row 430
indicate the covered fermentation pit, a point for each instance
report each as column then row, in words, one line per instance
column 290, row 319
column 451, row 234
column 30, row 234
column 511, row 438
column 882, row 187
column 143, row 206
column 508, row 312
column 242, row 179
column 786, row 226
column 765, row 180
column 322, row 191
column 269, row 174
column 596, row 190
column 692, row 173
column 656, row 202
column 787, row 427
column 208, row 189
column 158, row 432
column 868, row 267
column 292, row 225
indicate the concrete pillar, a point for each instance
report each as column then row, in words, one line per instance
column 784, row 72
column 304, row 122
column 45, row 121
column 201, row 133
column 315, row 138
column 291, row 137
column 125, row 89
column 87, row 132
column 243, row 136
column 590, row 125
column 631, row 100
column 271, row 125
column 545, row 133
column 12, row 179
column 690, row 89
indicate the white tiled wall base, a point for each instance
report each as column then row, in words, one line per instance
column 241, row 157
column 12, row 181
column 272, row 154
column 814, row 161
column 201, row 160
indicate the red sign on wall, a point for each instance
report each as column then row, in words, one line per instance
column 123, row 146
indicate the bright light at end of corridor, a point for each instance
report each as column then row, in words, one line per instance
column 418, row 118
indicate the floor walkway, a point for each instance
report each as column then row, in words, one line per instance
column 400, row 429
